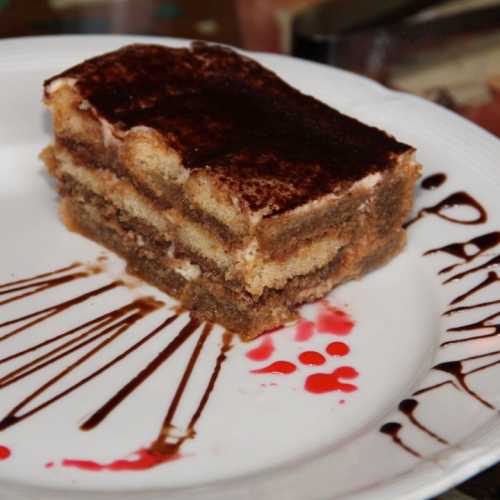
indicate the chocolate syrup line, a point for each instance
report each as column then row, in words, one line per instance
column 483, row 367
column 48, row 312
column 473, row 306
column 464, row 374
column 137, row 306
column 225, row 348
column 40, row 286
column 146, row 306
column 11, row 418
column 103, row 320
column 144, row 374
column 477, row 325
column 408, row 407
column 435, row 386
column 42, row 361
column 160, row 445
column 479, row 356
column 463, row 360
column 107, row 327
column 392, row 429
column 483, row 243
column 167, row 421
column 122, row 355
column 433, row 181
column 493, row 262
column 38, row 276
column 455, row 368
column 489, row 280
column 460, row 198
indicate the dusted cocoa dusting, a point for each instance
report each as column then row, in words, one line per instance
column 272, row 145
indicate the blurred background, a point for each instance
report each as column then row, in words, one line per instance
column 447, row 51
column 444, row 50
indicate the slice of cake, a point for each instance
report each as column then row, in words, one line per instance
column 220, row 183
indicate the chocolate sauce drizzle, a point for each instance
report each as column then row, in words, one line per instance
column 455, row 368
column 144, row 374
column 482, row 243
column 101, row 331
column 392, row 429
column 166, row 443
column 408, row 407
column 491, row 278
column 477, row 325
column 467, row 251
column 433, row 181
column 104, row 329
column 454, row 310
column 40, row 282
column 458, row 199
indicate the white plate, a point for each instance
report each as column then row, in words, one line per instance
column 260, row 435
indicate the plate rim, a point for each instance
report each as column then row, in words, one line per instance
column 484, row 456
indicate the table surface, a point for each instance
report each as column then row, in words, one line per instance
column 266, row 25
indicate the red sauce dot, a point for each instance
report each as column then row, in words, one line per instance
column 311, row 358
column 337, row 349
column 4, row 453
column 49, row 465
column 262, row 351
column 278, row 367
column 304, row 330
column 342, row 401
column 319, row 383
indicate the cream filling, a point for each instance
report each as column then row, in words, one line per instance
column 184, row 267
column 58, row 83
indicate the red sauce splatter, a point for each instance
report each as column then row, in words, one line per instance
column 304, row 330
column 278, row 367
column 311, row 358
column 319, row 383
column 342, row 401
column 262, row 351
column 337, row 349
column 49, row 465
column 333, row 320
column 145, row 459
column 4, row 453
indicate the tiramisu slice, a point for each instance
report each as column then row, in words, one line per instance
column 220, row 183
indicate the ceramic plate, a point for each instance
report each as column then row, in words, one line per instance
column 389, row 388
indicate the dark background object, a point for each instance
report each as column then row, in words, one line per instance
column 354, row 34
column 442, row 50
